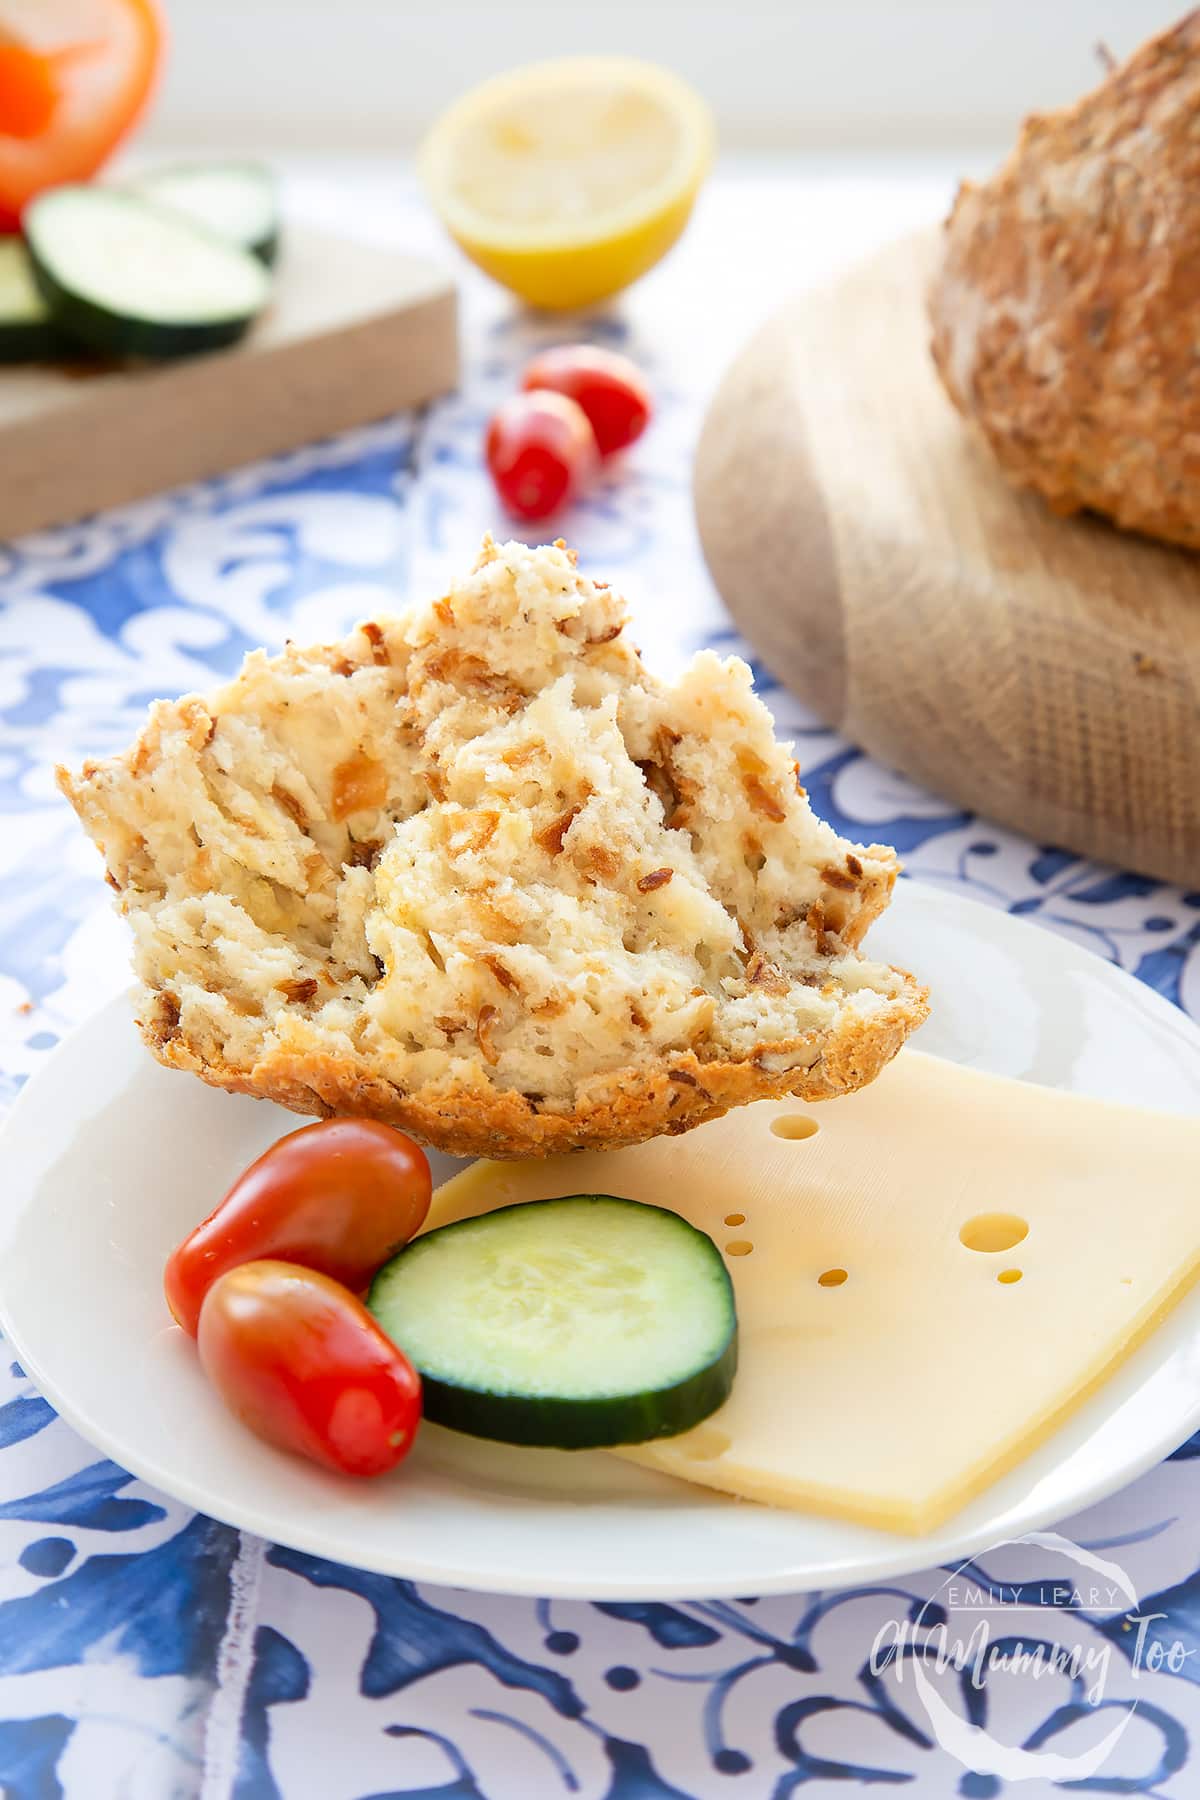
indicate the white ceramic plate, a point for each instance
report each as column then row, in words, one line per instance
column 108, row 1160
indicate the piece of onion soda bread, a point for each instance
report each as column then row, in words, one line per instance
column 476, row 872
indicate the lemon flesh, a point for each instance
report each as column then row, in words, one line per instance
column 567, row 180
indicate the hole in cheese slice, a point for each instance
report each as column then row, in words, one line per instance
column 990, row 1232
column 897, row 1397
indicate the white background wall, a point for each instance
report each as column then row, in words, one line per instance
column 367, row 74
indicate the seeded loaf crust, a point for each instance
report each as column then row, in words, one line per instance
column 477, row 873
column 1064, row 309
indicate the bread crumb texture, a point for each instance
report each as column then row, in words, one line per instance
column 475, row 872
column 1065, row 309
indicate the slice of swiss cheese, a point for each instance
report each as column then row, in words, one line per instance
column 895, row 1395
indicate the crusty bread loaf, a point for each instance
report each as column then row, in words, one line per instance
column 474, row 871
column 1064, row 310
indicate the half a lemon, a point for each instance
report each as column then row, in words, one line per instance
column 567, row 180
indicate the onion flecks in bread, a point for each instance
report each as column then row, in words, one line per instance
column 476, row 872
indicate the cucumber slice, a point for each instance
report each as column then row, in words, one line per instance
column 26, row 332
column 573, row 1323
column 235, row 200
column 133, row 279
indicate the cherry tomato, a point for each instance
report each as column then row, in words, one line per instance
column 340, row 1196
column 297, row 1358
column 74, row 75
column 541, row 451
column 608, row 387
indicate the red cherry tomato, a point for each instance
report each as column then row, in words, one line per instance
column 608, row 387
column 341, row 1196
column 300, row 1361
column 541, row 451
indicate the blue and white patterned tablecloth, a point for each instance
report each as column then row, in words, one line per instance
column 146, row 1652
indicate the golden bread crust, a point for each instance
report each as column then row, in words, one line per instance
column 1064, row 309
column 477, row 873
column 613, row 1111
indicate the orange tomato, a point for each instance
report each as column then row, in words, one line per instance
column 74, row 76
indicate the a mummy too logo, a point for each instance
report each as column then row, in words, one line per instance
column 976, row 1634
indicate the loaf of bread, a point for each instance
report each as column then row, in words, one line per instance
column 1065, row 308
column 475, row 872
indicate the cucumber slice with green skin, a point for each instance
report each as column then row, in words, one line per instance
column 129, row 278
column 26, row 331
column 235, row 200
column 572, row 1323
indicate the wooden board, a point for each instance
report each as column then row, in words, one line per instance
column 1042, row 671
column 353, row 333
